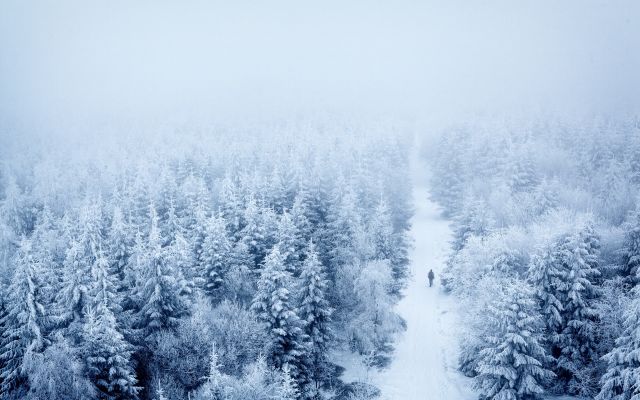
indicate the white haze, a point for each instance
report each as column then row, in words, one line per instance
column 82, row 61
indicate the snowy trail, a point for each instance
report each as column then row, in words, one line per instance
column 424, row 361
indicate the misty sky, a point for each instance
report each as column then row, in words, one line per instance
column 77, row 59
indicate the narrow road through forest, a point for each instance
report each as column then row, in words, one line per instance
column 423, row 366
column 424, row 363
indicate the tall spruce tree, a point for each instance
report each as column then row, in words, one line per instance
column 274, row 308
column 578, row 340
column 162, row 297
column 24, row 320
column 315, row 313
column 216, row 256
column 511, row 366
column 108, row 356
column 631, row 249
column 622, row 378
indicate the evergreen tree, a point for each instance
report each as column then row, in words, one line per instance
column 548, row 277
column 231, row 207
column 511, row 366
column 119, row 247
column 253, row 234
column 273, row 306
column 291, row 244
column 389, row 245
column 299, row 215
column 288, row 387
column 523, row 176
column 315, row 313
column 343, row 230
column 578, row 340
column 162, row 297
column 24, row 319
column 213, row 387
column 81, row 257
column 103, row 289
column 473, row 220
column 216, row 253
column 381, row 231
column 631, row 249
column 107, row 356
column 622, row 378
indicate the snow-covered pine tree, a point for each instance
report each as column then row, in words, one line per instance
column 272, row 304
column 81, row 256
column 277, row 192
column 523, row 175
column 170, row 223
column 231, row 207
column 343, row 227
column 389, row 245
column 315, row 313
column 213, row 387
column 511, row 366
column 546, row 196
column 299, row 215
column 631, row 249
column 194, row 215
column 253, row 234
column 447, row 182
column 622, row 379
column 288, row 387
column 549, row 281
column 15, row 210
column 381, row 232
column 290, row 242
column 216, row 256
column 119, row 247
column 161, row 294
column 472, row 220
column 24, row 319
column 578, row 340
column 107, row 356
column 104, row 287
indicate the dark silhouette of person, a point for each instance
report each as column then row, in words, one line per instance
column 431, row 276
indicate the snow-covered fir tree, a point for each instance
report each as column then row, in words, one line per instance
column 162, row 296
column 622, row 378
column 290, row 242
column 24, row 321
column 315, row 313
column 120, row 246
column 577, row 340
column 107, row 356
column 511, row 365
column 548, row 278
column 275, row 309
column 631, row 249
column 473, row 220
column 216, row 255
column 289, row 388
column 254, row 233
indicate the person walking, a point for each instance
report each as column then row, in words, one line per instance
column 431, row 276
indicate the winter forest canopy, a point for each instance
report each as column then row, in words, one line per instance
column 209, row 201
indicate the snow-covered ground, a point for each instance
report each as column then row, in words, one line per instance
column 424, row 363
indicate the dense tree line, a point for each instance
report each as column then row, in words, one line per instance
column 211, row 267
column 545, row 254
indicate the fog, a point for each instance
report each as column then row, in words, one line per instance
column 71, row 61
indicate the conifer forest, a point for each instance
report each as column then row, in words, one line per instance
column 299, row 200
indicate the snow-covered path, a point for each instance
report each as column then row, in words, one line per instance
column 424, row 362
